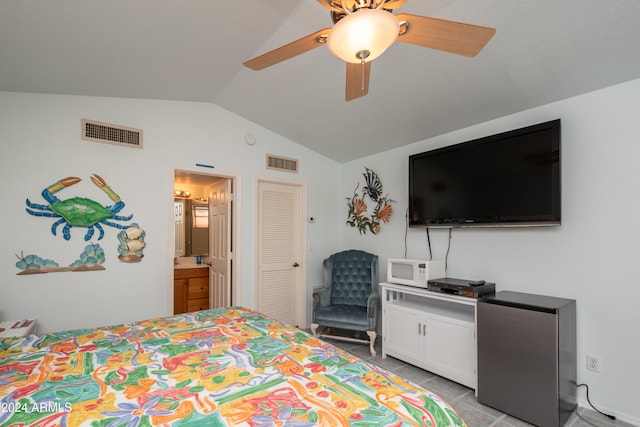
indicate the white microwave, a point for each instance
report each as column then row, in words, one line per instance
column 413, row 272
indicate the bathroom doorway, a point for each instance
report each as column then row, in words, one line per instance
column 204, row 228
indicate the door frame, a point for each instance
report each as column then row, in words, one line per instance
column 236, row 227
column 301, row 312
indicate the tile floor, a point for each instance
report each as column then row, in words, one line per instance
column 463, row 399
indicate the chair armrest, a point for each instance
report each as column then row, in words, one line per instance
column 321, row 299
column 373, row 302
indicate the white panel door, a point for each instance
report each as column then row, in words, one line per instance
column 220, row 243
column 178, row 220
column 279, row 293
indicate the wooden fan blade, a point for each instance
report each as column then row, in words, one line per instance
column 289, row 50
column 330, row 5
column 394, row 4
column 448, row 36
column 357, row 80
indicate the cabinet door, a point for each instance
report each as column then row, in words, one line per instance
column 402, row 334
column 450, row 349
column 179, row 296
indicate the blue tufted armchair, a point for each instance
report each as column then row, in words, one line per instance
column 349, row 299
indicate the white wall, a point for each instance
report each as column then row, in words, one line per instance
column 592, row 257
column 40, row 144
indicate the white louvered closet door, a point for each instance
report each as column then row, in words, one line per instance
column 279, row 251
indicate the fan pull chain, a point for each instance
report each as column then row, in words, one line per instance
column 362, row 80
column 362, row 55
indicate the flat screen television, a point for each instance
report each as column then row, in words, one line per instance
column 508, row 179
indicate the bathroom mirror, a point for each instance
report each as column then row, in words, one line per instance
column 192, row 226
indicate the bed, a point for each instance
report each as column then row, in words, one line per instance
column 219, row 367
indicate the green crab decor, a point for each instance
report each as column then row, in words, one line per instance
column 358, row 208
column 79, row 211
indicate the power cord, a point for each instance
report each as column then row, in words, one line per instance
column 446, row 257
column 406, row 231
column 611, row 417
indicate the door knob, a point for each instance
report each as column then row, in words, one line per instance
column 295, row 264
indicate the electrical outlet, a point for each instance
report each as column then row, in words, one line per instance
column 593, row 363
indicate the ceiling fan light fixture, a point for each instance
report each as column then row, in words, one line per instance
column 363, row 35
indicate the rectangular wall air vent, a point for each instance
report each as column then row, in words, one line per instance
column 282, row 163
column 111, row 134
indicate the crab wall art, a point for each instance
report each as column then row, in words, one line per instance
column 79, row 211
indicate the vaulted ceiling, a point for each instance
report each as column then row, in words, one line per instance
column 193, row 50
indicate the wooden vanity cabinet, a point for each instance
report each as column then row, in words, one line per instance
column 190, row 289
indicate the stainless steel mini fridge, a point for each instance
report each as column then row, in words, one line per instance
column 527, row 356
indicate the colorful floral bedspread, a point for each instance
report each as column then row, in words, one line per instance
column 208, row 368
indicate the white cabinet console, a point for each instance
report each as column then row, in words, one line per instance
column 431, row 330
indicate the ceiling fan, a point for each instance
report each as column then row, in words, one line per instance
column 364, row 29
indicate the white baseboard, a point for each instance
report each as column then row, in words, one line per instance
column 583, row 404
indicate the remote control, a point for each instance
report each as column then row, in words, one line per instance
column 477, row 283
